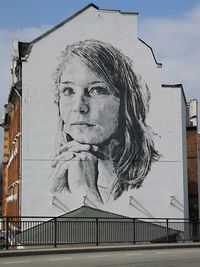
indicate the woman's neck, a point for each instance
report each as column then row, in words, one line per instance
column 106, row 149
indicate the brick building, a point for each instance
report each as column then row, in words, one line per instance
column 192, row 159
column 12, row 146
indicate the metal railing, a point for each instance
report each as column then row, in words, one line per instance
column 36, row 231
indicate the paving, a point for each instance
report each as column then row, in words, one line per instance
column 25, row 251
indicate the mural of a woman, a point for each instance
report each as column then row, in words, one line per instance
column 104, row 144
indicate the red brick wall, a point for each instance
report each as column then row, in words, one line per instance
column 11, row 170
column 192, row 146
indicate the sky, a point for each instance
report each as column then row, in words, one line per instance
column 170, row 27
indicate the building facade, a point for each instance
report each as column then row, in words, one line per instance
column 192, row 159
column 12, row 158
column 98, row 126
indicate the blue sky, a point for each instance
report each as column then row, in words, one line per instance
column 170, row 27
column 17, row 14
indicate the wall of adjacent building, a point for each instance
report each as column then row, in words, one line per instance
column 192, row 171
column 11, row 162
column 5, row 173
column 198, row 167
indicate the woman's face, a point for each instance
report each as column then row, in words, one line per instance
column 87, row 106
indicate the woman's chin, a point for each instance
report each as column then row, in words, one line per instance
column 93, row 140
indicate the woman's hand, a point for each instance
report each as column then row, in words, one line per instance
column 76, row 169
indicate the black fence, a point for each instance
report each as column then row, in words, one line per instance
column 35, row 231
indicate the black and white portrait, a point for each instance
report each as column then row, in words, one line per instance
column 104, row 146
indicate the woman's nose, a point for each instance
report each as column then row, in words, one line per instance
column 80, row 105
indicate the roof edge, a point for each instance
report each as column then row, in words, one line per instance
column 64, row 21
column 76, row 14
column 159, row 64
column 95, row 209
column 118, row 10
column 172, row 85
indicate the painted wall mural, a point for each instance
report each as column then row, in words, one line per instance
column 104, row 145
column 98, row 126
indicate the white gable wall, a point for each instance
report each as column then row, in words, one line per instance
column 39, row 117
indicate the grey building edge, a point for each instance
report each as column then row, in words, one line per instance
column 18, row 88
column 178, row 85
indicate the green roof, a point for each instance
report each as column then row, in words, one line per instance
column 88, row 212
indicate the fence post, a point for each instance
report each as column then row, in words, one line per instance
column 97, row 232
column 7, row 232
column 55, row 232
column 134, row 230
column 198, row 231
column 167, row 225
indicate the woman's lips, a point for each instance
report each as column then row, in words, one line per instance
column 82, row 123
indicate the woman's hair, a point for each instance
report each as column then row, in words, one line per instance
column 134, row 153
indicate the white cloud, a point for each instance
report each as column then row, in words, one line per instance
column 175, row 43
column 6, row 37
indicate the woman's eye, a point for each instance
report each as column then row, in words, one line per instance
column 99, row 90
column 67, row 91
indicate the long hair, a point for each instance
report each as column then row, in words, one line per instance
column 133, row 155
